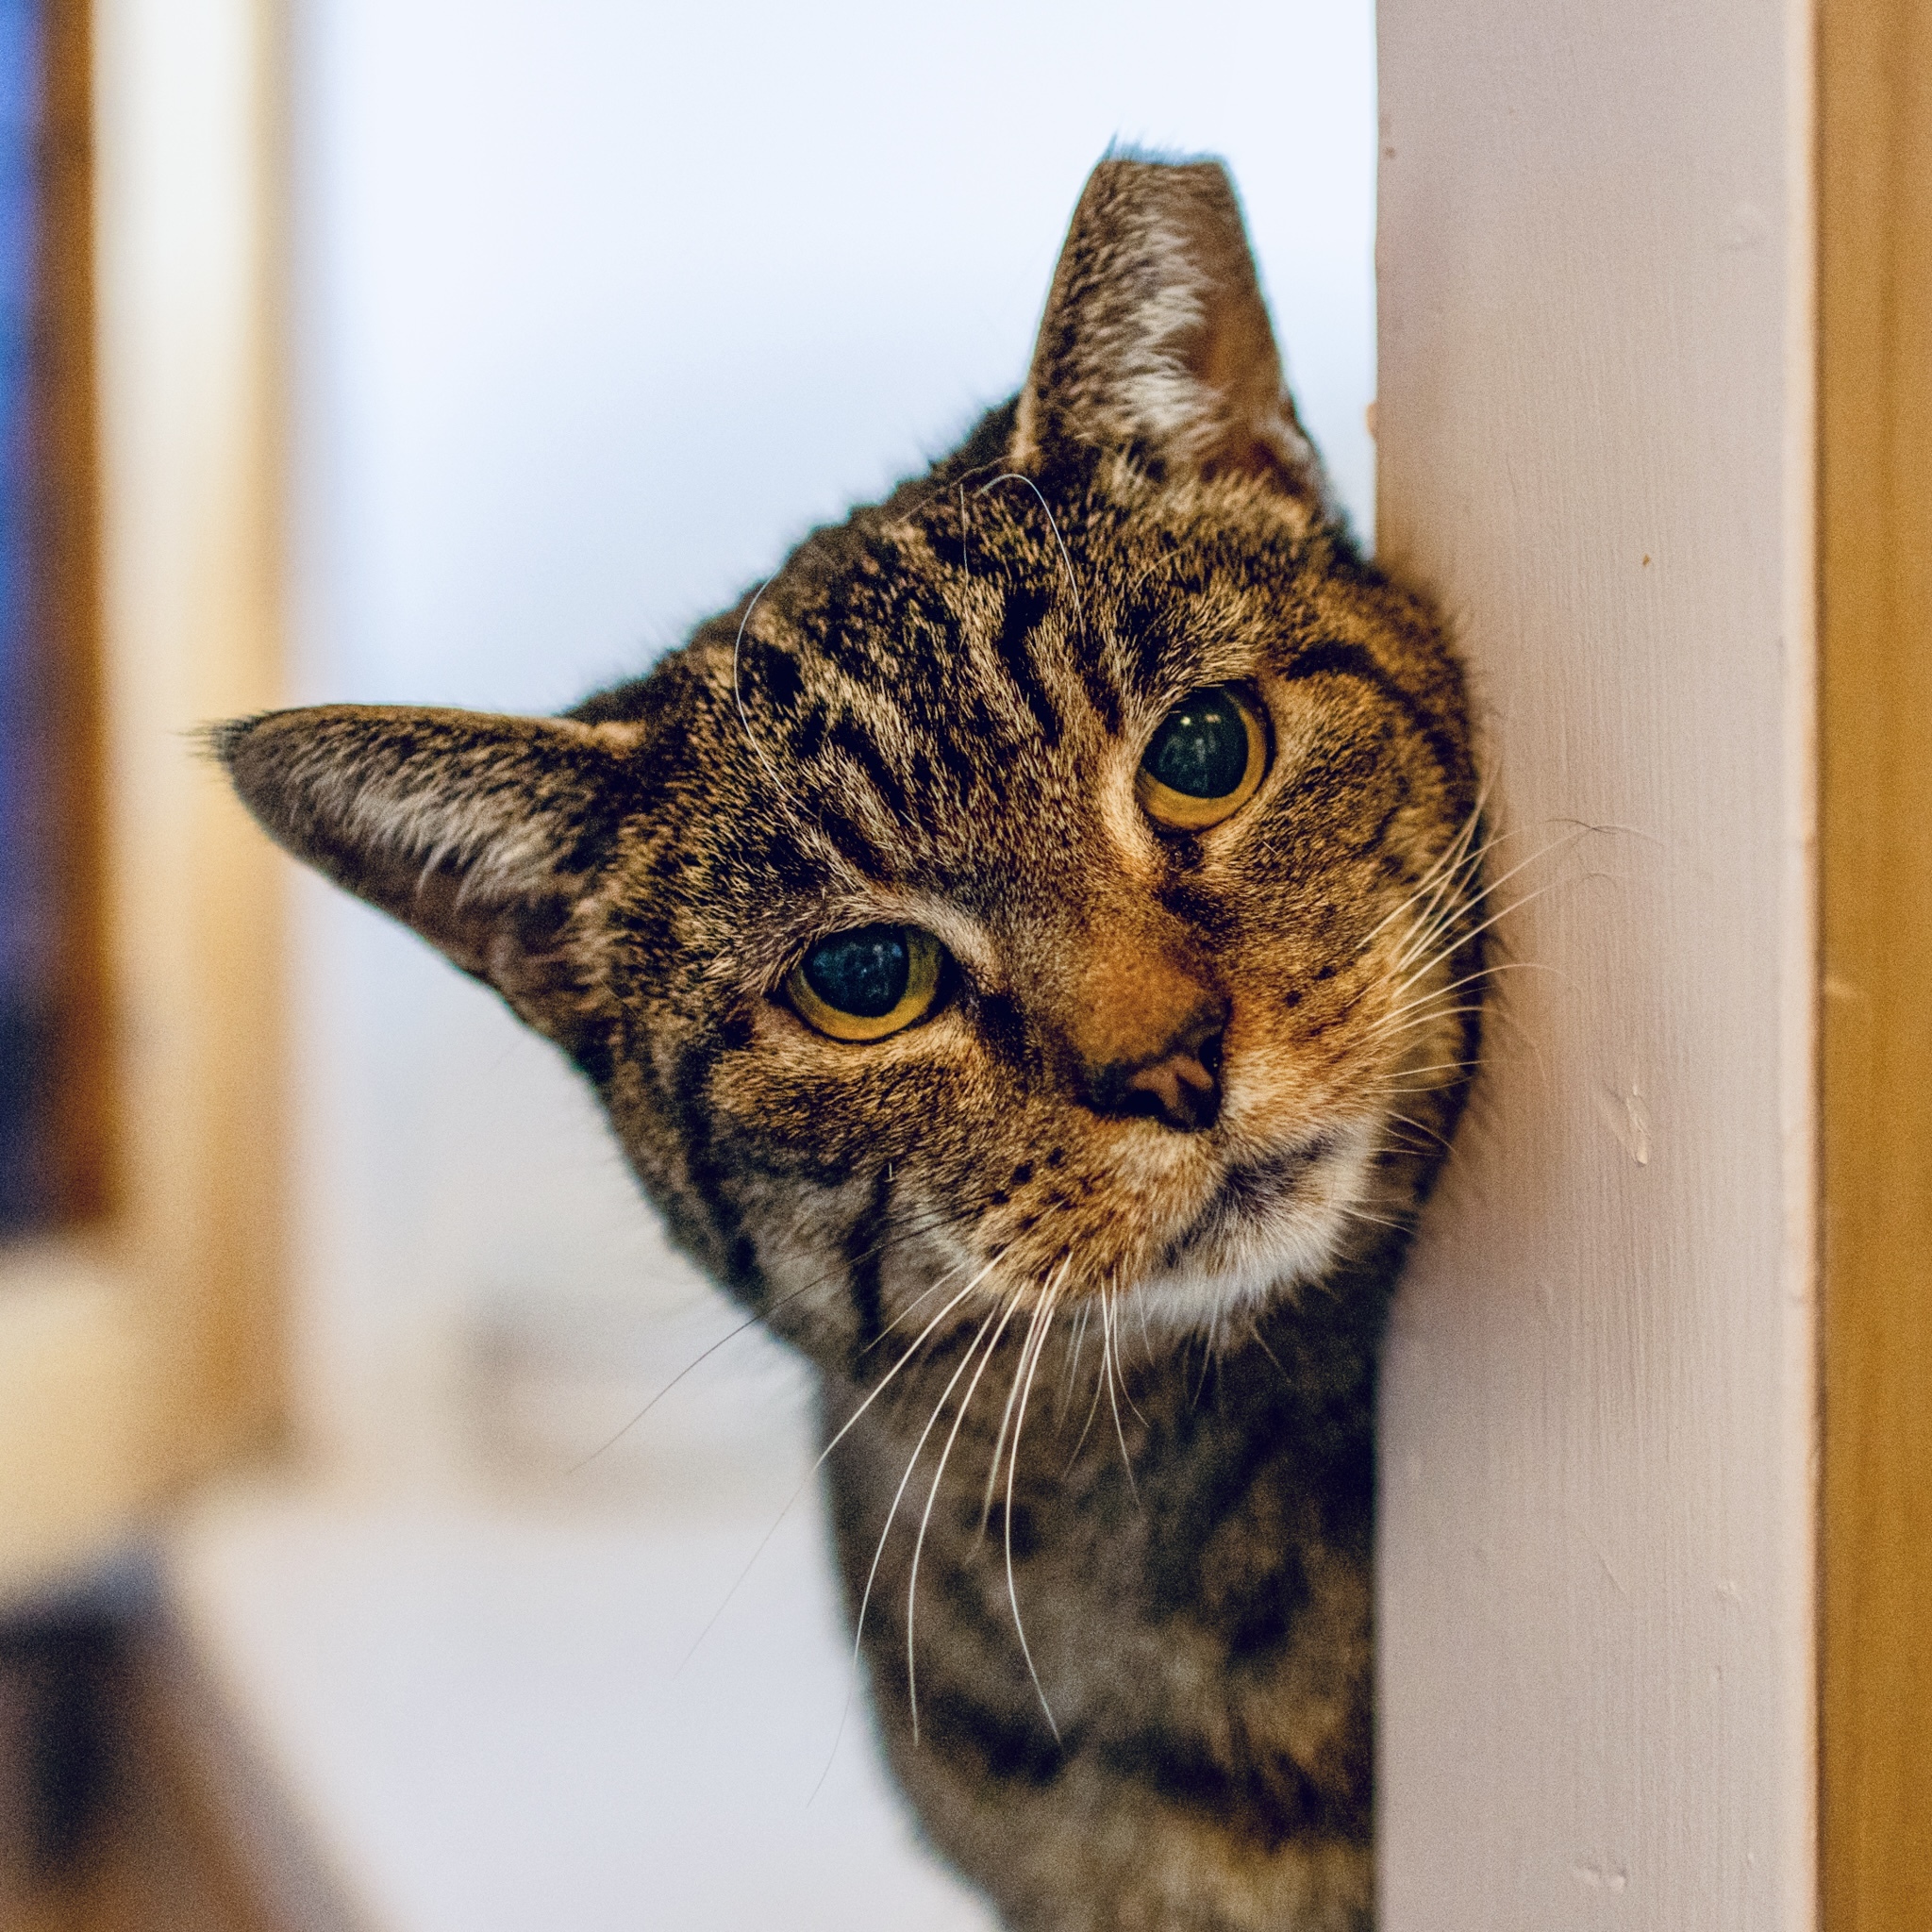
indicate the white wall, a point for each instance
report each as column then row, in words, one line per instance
column 1595, row 1605
column 599, row 306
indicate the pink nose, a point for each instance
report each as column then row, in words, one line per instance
column 1179, row 1085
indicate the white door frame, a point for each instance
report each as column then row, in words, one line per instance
column 1596, row 443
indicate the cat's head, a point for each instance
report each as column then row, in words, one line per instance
column 1055, row 880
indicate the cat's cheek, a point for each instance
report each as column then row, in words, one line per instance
column 795, row 1103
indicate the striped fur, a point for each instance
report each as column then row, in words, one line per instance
column 1102, row 1389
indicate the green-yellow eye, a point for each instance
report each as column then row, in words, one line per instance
column 1204, row 763
column 865, row 984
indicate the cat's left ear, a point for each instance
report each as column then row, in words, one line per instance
column 1156, row 339
column 481, row 832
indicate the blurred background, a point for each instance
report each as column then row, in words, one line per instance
column 465, row 354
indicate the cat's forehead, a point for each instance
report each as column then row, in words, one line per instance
column 935, row 694
column 965, row 612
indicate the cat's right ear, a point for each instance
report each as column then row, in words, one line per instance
column 1156, row 339
column 481, row 832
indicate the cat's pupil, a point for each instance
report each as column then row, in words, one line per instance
column 1201, row 750
column 863, row 973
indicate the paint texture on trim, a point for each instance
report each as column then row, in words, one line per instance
column 1595, row 435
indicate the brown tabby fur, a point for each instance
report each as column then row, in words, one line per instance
column 1102, row 1380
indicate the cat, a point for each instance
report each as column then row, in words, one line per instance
column 1031, row 950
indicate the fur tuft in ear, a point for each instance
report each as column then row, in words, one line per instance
column 1156, row 339
column 481, row 832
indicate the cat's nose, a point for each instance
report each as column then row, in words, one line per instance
column 1179, row 1085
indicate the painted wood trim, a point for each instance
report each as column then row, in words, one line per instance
column 1597, row 440
column 1876, row 608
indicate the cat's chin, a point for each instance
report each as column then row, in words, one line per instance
column 1279, row 1221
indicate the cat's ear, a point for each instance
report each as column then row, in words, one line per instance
column 481, row 832
column 1156, row 338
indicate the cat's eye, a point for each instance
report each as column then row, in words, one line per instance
column 867, row 983
column 1204, row 762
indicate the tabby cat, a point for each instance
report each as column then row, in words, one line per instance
column 1029, row 948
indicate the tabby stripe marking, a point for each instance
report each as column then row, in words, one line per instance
column 1025, row 608
column 865, row 1242
column 1351, row 661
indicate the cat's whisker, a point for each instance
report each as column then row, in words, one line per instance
column 1434, row 1067
column 1448, row 988
column 1481, row 898
column 1474, row 932
column 872, row 1575
column 1261, row 1341
column 1496, row 1011
column 1418, row 1126
column 1065, row 1394
column 1455, row 986
column 1146, row 1348
column 1451, row 854
column 920, row 1342
column 932, row 1494
column 1374, row 1219
column 1093, row 1407
column 737, row 698
column 1392, row 1022
column 1487, row 887
column 836, row 1276
column 1420, row 1021
column 1206, row 1361
column 1438, row 919
column 1451, row 868
column 1426, row 1089
column 1437, row 923
column 819, row 1461
column 1398, row 1020
column 910, row 1311
column 1445, row 887
column 731, row 1334
column 992, row 1473
column 1066, row 560
column 1106, row 1345
column 1492, row 970
column 1043, row 1320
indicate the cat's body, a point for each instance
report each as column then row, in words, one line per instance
column 1071, row 1119
column 1200, row 1633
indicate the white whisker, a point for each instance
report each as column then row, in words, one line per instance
column 1066, row 1390
column 738, row 699
column 1066, row 562
column 818, row 1463
column 1093, row 1406
column 1106, row 1357
column 1043, row 1320
column 931, row 1497
column 1463, row 939
column 1448, row 858
column 992, row 1473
